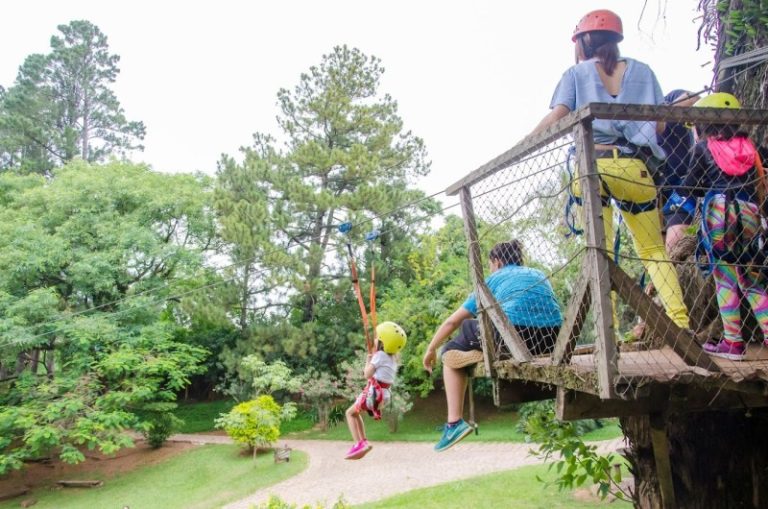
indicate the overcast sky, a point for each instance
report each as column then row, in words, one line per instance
column 471, row 77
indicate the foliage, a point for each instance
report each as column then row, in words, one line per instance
column 537, row 409
column 577, row 462
column 275, row 502
column 256, row 377
column 61, row 105
column 256, row 423
column 88, row 277
column 159, row 423
column 733, row 28
column 346, row 157
column 439, row 284
column 399, row 404
column 321, row 390
column 196, row 417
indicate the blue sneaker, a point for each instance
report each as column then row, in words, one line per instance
column 452, row 435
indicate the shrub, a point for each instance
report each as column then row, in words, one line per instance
column 278, row 503
column 256, row 423
column 159, row 425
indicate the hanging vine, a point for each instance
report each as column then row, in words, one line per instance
column 733, row 27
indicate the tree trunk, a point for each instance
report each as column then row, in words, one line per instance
column 719, row 459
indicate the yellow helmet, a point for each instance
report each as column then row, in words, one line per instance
column 719, row 100
column 392, row 336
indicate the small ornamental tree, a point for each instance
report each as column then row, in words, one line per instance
column 320, row 390
column 256, row 423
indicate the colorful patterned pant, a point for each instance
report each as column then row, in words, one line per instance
column 734, row 281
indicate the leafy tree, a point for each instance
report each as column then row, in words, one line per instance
column 346, row 157
column 255, row 423
column 254, row 377
column 61, row 105
column 91, row 277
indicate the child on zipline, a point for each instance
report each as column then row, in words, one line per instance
column 380, row 370
column 727, row 173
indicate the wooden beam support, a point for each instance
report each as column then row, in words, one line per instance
column 663, row 463
column 506, row 330
column 478, row 280
column 661, row 399
column 574, row 320
column 548, row 374
column 597, row 262
column 574, row 405
column 679, row 340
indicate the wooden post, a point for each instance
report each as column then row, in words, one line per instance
column 574, row 320
column 507, row 331
column 663, row 464
column 597, row 263
column 476, row 271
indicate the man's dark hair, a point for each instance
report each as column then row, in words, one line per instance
column 508, row 253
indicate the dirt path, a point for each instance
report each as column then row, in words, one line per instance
column 390, row 468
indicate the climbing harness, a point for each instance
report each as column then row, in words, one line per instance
column 735, row 250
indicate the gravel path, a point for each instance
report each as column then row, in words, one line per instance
column 390, row 468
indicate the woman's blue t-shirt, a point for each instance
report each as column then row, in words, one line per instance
column 524, row 294
column 581, row 84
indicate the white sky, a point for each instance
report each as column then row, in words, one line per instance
column 471, row 77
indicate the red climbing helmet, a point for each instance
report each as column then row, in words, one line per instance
column 601, row 19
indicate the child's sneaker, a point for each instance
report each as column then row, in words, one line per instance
column 452, row 435
column 733, row 350
column 358, row 450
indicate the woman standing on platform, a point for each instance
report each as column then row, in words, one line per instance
column 627, row 152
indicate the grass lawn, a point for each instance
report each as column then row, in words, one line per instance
column 204, row 477
column 422, row 424
column 517, row 489
column 198, row 417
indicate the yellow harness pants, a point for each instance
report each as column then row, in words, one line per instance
column 629, row 180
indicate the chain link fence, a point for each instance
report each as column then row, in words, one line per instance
column 653, row 240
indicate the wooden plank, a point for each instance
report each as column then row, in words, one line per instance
column 681, row 341
column 478, row 279
column 95, row 483
column 574, row 320
column 574, row 405
column 596, row 262
column 507, row 331
column 677, row 114
column 663, row 463
column 662, row 398
column 571, row 377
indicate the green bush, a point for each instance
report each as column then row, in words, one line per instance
column 161, row 426
column 278, row 503
column 256, row 423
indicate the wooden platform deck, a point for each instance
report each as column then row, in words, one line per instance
column 642, row 368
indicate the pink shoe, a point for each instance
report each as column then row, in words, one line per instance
column 358, row 450
column 733, row 350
